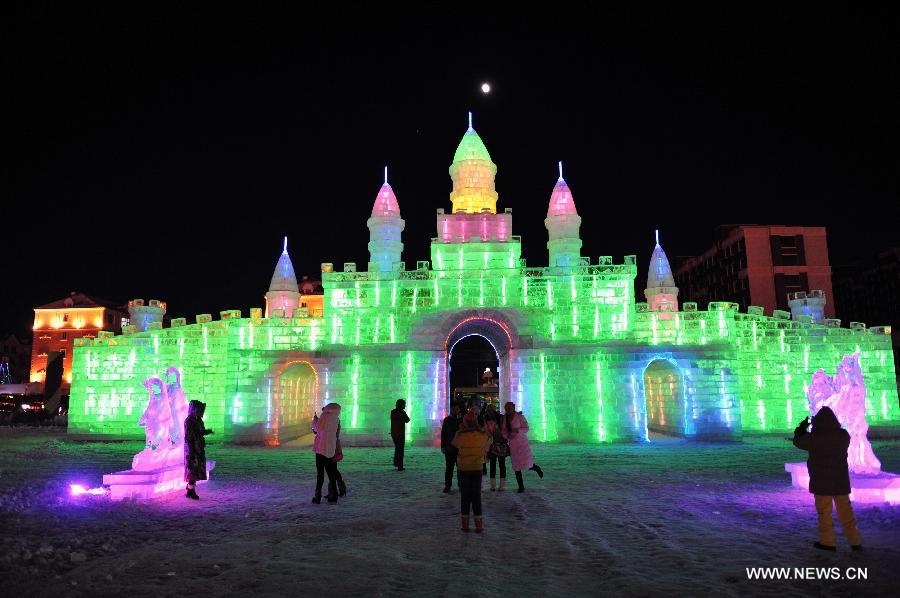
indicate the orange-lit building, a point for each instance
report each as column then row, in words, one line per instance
column 57, row 325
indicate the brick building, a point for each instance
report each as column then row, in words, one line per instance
column 751, row 264
column 58, row 324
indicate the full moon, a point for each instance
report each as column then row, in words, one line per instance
column 486, row 87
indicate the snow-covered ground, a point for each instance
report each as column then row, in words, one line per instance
column 667, row 518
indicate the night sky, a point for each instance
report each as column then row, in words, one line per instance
column 165, row 156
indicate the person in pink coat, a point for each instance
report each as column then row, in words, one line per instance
column 327, row 445
column 514, row 428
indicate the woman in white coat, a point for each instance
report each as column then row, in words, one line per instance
column 326, row 445
column 514, row 428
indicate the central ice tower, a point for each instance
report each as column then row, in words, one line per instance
column 474, row 236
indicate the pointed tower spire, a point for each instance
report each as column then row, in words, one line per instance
column 283, row 291
column 386, row 202
column 661, row 292
column 385, row 230
column 472, row 173
column 563, row 225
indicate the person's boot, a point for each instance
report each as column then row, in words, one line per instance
column 856, row 547
column 465, row 523
column 342, row 488
column 479, row 524
column 317, row 499
column 332, row 492
column 502, row 485
column 446, row 489
column 520, row 481
column 821, row 546
column 493, row 484
column 192, row 493
column 537, row 469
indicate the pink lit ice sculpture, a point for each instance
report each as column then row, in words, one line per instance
column 159, row 468
column 845, row 393
column 163, row 423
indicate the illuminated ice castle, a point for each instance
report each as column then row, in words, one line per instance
column 576, row 351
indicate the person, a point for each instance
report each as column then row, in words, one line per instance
column 338, row 457
column 399, row 419
column 829, row 476
column 499, row 450
column 449, row 427
column 514, row 428
column 325, row 446
column 472, row 444
column 195, row 447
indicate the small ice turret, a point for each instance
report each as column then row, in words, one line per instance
column 810, row 304
column 563, row 225
column 661, row 292
column 385, row 231
column 283, row 291
column 143, row 316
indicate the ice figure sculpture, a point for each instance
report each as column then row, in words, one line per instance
column 163, row 423
column 845, row 394
column 159, row 468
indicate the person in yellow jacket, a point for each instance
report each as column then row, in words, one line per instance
column 472, row 442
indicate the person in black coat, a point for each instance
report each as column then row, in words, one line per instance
column 829, row 476
column 195, row 447
column 399, row 419
column 449, row 428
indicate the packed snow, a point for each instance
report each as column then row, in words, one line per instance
column 668, row 517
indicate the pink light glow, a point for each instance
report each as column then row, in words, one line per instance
column 386, row 203
column 78, row 490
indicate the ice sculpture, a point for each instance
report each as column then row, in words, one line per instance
column 845, row 394
column 159, row 468
column 163, row 423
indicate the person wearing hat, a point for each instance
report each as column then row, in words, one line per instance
column 195, row 447
column 829, row 476
column 472, row 442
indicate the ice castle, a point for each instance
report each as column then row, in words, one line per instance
column 584, row 359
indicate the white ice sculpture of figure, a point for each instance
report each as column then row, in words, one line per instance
column 163, row 423
column 845, row 394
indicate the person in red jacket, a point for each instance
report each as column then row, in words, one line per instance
column 399, row 419
column 829, row 477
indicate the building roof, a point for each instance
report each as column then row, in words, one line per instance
column 471, row 147
column 386, row 203
column 660, row 273
column 77, row 299
column 561, row 201
column 284, row 279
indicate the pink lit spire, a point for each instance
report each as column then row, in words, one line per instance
column 561, row 201
column 386, row 202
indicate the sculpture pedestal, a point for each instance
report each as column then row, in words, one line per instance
column 882, row 488
column 148, row 484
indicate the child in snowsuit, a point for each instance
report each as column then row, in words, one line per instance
column 472, row 444
column 194, row 447
column 829, row 478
